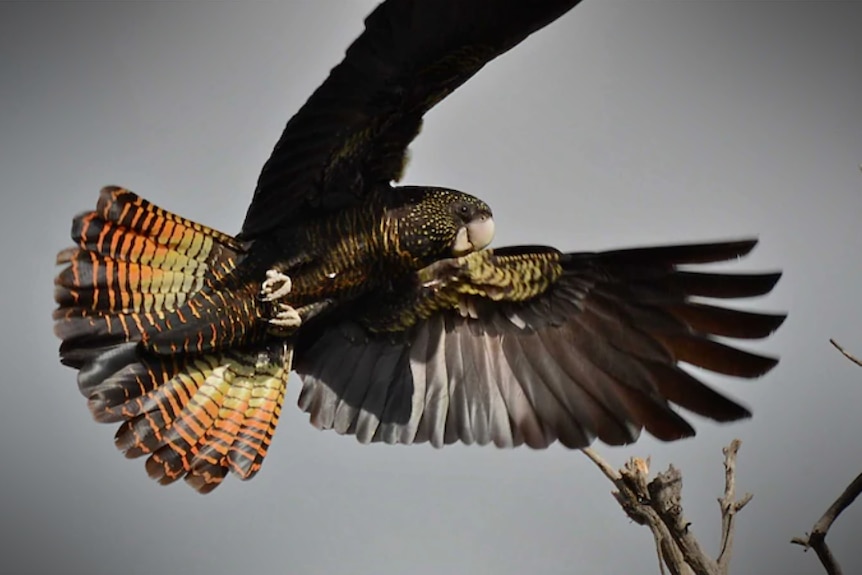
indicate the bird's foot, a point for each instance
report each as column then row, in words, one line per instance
column 270, row 290
column 286, row 318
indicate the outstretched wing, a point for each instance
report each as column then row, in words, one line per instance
column 530, row 345
column 354, row 130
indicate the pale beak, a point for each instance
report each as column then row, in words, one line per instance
column 480, row 231
column 474, row 236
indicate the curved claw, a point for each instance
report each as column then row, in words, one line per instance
column 285, row 322
column 286, row 317
column 276, row 286
column 268, row 289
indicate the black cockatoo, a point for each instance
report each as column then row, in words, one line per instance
column 403, row 326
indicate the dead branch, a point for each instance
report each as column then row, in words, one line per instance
column 816, row 539
column 846, row 353
column 657, row 503
column 729, row 505
column 631, row 481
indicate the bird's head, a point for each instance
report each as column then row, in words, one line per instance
column 435, row 223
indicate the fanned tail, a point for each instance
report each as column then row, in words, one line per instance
column 140, row 273
column 159, row 317
column 204, row 415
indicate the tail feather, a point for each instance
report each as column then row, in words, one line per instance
column 138, row 271
column 230, row 408
column 151, row 309
column 148, row 221
column 97, row 282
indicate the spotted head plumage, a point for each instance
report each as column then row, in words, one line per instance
column 436, row 223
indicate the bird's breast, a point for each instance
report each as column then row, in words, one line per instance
column 339, row 258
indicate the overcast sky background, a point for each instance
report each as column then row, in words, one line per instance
column 624, row 123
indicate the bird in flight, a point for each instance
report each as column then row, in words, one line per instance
column 402, row 324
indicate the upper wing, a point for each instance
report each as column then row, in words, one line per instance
column 503, row 354
column 354, row 130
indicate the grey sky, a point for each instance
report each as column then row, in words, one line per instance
column 624, row 123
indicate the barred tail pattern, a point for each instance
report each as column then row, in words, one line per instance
column 204, row 415
column 140, row 273
column 156, row 314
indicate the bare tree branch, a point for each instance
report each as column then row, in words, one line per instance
column 657, row 503
column 729, row 505
column 603, row 465
column 665, row 492
column 846, row 353
column 633, row 496
column 817, row 538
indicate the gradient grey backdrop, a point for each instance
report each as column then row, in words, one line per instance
column 624, row 123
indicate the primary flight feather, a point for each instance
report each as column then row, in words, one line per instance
column 386, row 300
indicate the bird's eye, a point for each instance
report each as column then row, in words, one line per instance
column 464, row 209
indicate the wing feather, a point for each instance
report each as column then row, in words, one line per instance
column 556, row 347
column 437, row 382
column 352, row 133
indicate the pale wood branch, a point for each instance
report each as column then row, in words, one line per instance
column 729, row 505
column 657, row 503
column 665, row 496
column 633, row 496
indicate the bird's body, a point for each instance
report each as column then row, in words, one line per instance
column 403, row 325
column 372, row 245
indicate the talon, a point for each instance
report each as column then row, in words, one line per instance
column 286, row 317
column 286, row 320
column 268, row 290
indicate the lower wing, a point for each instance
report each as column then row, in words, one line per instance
column 529, row 345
